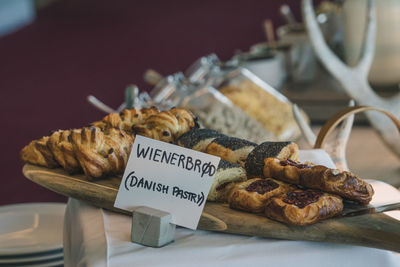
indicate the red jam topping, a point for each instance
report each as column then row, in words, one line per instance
column 262, row 186
column 294, row 163
column 302, row 198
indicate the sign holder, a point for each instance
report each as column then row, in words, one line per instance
column 152, row 227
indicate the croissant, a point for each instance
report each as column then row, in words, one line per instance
column 167, row 126
column 100, row 153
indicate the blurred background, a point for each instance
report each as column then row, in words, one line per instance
column 53, row 54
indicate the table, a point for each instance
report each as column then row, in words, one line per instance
column 96, row 237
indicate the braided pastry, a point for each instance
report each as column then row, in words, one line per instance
column 37, row 152
column 101, row 153
column 63, row 150
column 167, row 126
column 125, row 119
column 104, row 147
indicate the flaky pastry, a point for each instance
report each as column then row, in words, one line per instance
column 302, row 207
column 251, row 195
column 342, row 183
column 231, row 149
column 126, row 119
column 168, row 125
column 104, row 147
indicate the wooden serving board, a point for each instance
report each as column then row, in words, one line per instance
column 371, row 230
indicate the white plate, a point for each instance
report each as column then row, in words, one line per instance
column 46, row 264
column 31, row 228
column 32, row 258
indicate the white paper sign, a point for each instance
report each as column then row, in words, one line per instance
column 169, row 178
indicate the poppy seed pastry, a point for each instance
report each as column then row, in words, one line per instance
column 252, row 195
column 198, row 139
column 231, row 149
column 303, row 207
column 225, row 178
column 342, row 183
column 282, row 150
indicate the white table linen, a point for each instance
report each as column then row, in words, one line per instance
column 96, row 237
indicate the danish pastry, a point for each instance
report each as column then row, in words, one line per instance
column 231, row 149
column 302, row 207
column 63, row 150
column 281, row 150
column 101, row 153
column 125, row 119
column 37, row 152
column 198, row 139
column 167, row 126
column 342, row 183
column 251, row 195
column 104, row 147
column 225, row 178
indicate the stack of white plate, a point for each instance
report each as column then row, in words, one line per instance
column 31, row 234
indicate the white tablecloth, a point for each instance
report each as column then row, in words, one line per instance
column 96, row 237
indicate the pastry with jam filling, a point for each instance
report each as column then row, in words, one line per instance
column 303, row 207
column 251, row 195
column 342, row 183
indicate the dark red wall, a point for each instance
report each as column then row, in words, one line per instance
column 76, row 48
